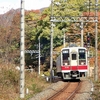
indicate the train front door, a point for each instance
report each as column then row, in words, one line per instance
column 73, row 59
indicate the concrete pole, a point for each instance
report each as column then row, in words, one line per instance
column 51, row 48
column 64, row 39
column 82, row 43
column 96, row 41
column 39, row 57
column 88, row 62
column 22, row 59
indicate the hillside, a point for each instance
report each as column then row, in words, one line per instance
column 37, row 23
column 38, row 26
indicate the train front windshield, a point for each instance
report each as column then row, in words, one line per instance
column 82, row 54
column 82, row 57
column 65, row 57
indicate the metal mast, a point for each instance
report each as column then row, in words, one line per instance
column 64, row 37
column 96, row 40
column 22, row 75
column 39, row 57
column 82, row 43
column 51, row 48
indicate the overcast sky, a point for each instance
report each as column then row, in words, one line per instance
column 6, row 5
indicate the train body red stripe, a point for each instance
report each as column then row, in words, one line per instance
column 83, row 67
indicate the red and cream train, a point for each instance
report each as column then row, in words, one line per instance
column 72, row 63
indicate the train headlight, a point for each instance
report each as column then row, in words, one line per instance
column 82, row 63
column 66, row 64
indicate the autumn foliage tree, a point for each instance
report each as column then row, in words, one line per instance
column 37, row 24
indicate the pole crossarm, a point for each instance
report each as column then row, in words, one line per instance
column 31, row 51
column 73, row 19
column 56, row 52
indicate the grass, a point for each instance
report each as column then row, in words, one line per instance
column 10, row 82
column 96, row 92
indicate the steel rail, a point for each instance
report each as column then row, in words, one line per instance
column 62, row 90
column 56, row 94
column 73, row 93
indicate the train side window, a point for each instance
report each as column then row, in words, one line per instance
column 73, row 56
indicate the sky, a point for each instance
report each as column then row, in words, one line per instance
column 6, row 5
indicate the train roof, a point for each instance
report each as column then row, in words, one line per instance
column 73, row 46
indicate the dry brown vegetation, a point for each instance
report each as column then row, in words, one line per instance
column 10, row 82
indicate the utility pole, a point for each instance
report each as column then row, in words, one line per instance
column 39, row 57
column 88, row 45
column 82, row 34
column 22, row 58
column 51, row 48
column 96, row 40
column 64, row 37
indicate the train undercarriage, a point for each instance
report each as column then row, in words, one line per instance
column 72, row 75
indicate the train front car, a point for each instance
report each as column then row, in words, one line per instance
column 72, row 63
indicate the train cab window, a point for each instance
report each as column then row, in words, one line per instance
column 65, row 54
column 82, row 54
column 73, row 56
column 82, row 57
column 65, row 57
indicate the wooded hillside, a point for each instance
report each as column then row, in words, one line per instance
column 37, row 24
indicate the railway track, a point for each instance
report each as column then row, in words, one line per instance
column 68, row 92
